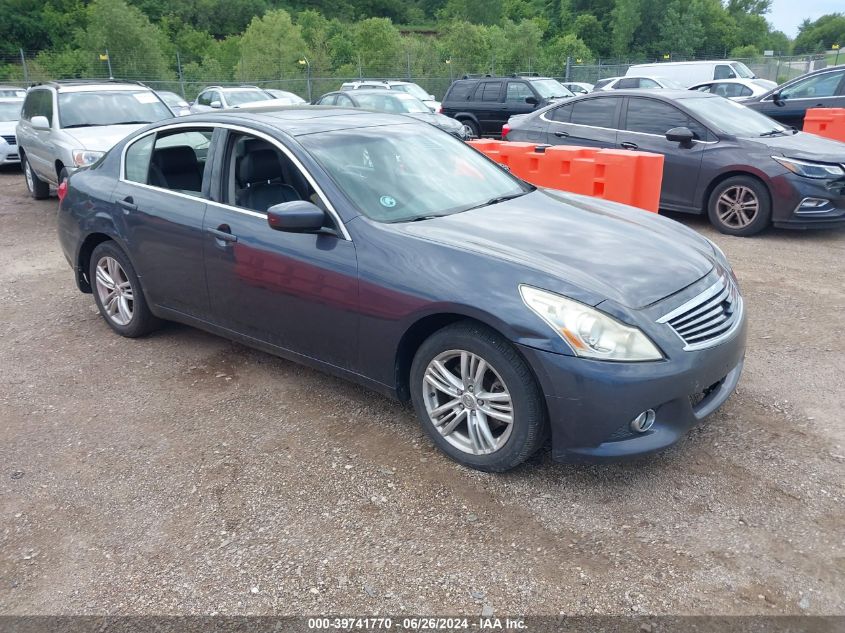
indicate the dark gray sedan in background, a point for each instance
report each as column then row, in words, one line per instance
column 382, row 250
column 741, row 168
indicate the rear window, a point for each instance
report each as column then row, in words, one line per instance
column 461, row 90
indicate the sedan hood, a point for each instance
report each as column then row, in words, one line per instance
column 805, row 146
column 100, row 138
column 632, row 257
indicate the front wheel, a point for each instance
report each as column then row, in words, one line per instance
column 471, row 128
column 740, row 206
column 37, row 188
column 477, row 399
column 118, row 293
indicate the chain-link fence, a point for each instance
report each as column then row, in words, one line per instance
column 430, row 69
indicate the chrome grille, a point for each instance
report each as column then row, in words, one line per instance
column 10, row 139
column 709, row 318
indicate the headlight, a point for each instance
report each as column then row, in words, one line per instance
column 589, row 332
column 810, row 170
column 720, row 255
column 84, row 157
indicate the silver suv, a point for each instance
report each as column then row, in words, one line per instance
column 222, row 98
column 66, row 125
column 401, row 86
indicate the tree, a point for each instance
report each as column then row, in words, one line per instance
column 270, row 48
column 378, row 45
column 563, row 46
column 592, row 32
column 822, row 34
column 476, row 11
column 625, row 21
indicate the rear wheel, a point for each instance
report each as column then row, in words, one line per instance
column 477, row 399
column 740, row 206
column 37, row 188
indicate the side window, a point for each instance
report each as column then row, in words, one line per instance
column 625, row 83
column 595, row 112
column 327, row 100
column 723, row 71
column 744, row 92
column 490, row 90
column 259, row 175
column 216, row 96
column 178, row 160
column 343, row 100
column 649, row 116
column 137, row 159
column 823, row 85
column 648, row 83
column 38, row 103
column 563, row 114
column 204, row 99
column 705, row 88
column 517, row 92
column 461, row 91
column 28, row 105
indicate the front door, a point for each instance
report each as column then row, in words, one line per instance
column 644, row 128
column 296, row 291
column 163, row 196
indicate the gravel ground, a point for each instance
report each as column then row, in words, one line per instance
column 185, row 474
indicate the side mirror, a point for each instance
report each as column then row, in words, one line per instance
column 299, row 216
column 40, row 123
column 531, row 100
column 682, row 135
column 216, row 104
column 778, row 99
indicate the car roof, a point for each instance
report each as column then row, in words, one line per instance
column 699, row 62
column 299, row 120
column 668, row 94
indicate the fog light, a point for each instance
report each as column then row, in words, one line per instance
column 813, row 205
column 643, row 422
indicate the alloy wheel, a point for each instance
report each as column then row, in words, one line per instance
column 115, row 291
column 27, row 172
column 468, row 402
column 737, row 206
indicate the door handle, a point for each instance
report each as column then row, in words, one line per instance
column 223, row 233
column 562, row 134
column 128, row 203
column 628, row 145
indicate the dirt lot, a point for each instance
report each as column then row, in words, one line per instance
column 182, row 473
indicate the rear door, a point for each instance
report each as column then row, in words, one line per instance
column 590, row 122
column 489, row 107
column 644, row 126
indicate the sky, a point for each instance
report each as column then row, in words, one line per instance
column 786, row 15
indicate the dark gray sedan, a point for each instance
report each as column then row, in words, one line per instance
column 743, row 169
column 394, row 102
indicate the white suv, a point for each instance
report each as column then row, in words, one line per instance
column 401, row 86
column 222, row 98
column 66, row 125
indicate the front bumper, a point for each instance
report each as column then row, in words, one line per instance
column 9, row 154
column 789, row 191
column 592, row 403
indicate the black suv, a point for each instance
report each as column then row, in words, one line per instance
column 486, row 103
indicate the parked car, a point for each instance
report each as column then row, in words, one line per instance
column 690, row 73
column 364, row 245
column 222, row 98
column 395, row 103
column 66, row 125
column 402, row 86
column 12, row 92
column 789, row 103
column 744, row 170
column 178, row 106
column 635, row 83
column 578, row 87
column 733, row 88
column 289, row 98
column 10, row 112
column 484, row 104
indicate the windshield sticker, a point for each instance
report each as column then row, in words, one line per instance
column 387, row 201
column 146, row 97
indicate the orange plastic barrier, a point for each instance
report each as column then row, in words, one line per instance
column 827, row 122
column 632, row 178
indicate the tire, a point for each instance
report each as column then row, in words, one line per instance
column 475, row 432
column 740, row 205
column 473, row 126
column 63, row 175
column 128, row 314
column 37, row 188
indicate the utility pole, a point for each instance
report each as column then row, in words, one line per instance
column 304, row 62
column 108, row 62
column 25, row 70
column 409, row 65
column 181, row 78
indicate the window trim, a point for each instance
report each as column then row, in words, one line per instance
column 343, row 233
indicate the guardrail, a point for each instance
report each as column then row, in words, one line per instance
column 632, row 178
column 827, row 122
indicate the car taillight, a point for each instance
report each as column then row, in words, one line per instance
column 439, row 109
column 506, row 129
column 62, row 189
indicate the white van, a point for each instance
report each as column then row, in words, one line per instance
column 692, row 73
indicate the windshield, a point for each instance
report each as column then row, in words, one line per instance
column 398, row 104
column 10, row 111
column 399, row 173
column 83, row 109
column 742, row 70
column 238, row 97
column 551, row 88
column 412, row 89
column 172, row 99
column 732, row 118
